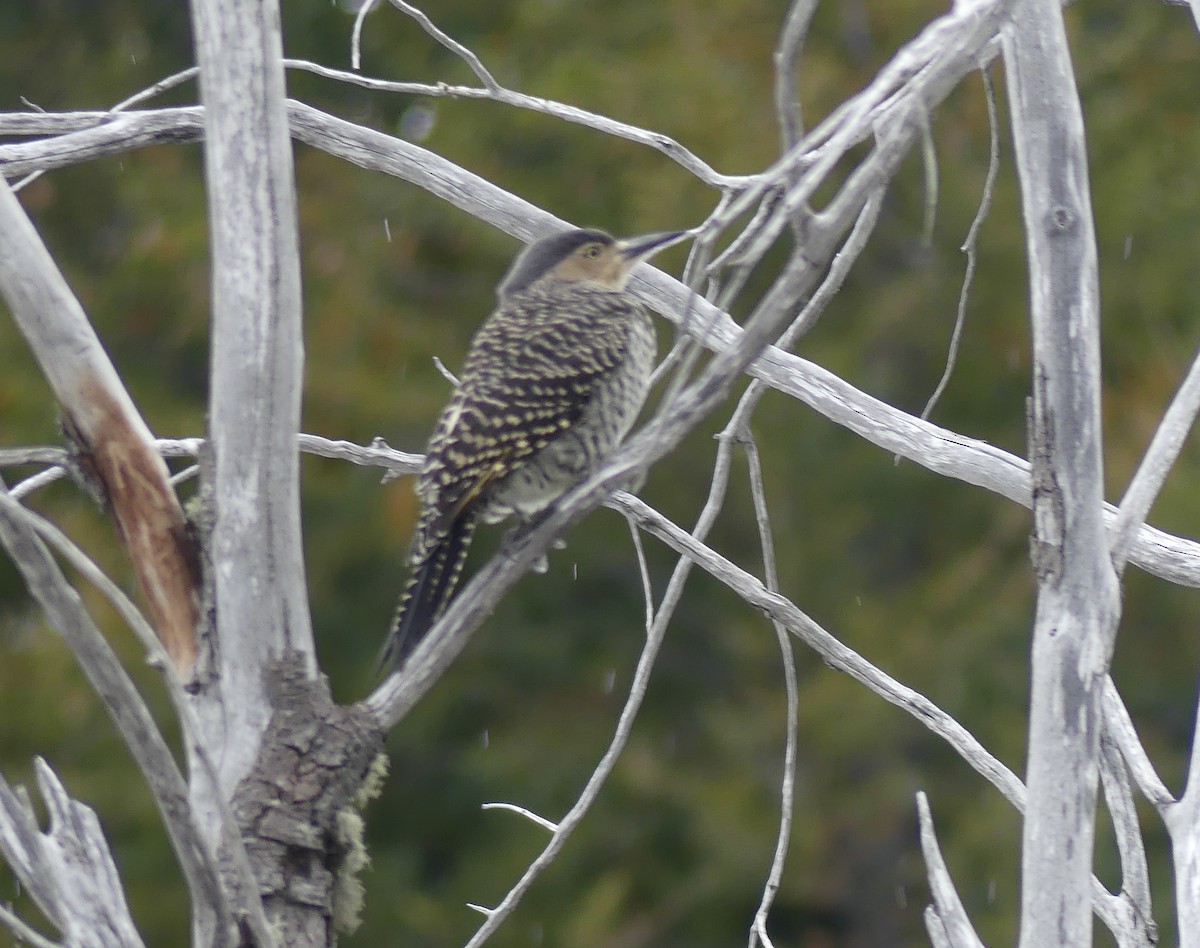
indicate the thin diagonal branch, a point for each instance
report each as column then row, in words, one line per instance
column 116, row 447
column 970, row 245
column 952, row 921
column 473, row 62
column 787, row 53
column 1156, row 464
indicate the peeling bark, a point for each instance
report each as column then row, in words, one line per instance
column 299, row 807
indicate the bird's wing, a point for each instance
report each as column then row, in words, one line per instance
column 529, row 375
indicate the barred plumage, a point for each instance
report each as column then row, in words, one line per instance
column 552, row 382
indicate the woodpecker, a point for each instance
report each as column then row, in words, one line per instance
column 552, row 382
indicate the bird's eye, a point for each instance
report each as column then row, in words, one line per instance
column 592, row 251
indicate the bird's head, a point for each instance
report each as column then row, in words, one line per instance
column 583, row 256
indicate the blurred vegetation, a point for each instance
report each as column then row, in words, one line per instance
column 928, row 578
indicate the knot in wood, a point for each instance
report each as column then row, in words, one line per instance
column 1060, row 220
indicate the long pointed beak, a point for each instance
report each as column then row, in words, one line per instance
column 636, row 249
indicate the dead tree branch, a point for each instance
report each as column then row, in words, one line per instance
column 115, row 447
column 1078, row 600
column 255, row 547
column 67, row 870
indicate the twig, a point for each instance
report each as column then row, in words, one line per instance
column 445, row 372
column 457, row 48
column 169, row 82
column 930, row 166
column 644, row 570
column 1119, row 726
column 23, row 932
column 923, row 71
column 16, row 457
column 356, row 33
column 37, row 482
column 787, row 52
column 787, row 792
column 1156, row 464
column 528, row 814
column 953, row 919
column 19, row 186
column 1135, row 873
column 970, row 245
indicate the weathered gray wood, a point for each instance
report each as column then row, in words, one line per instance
column 938, row 449
column 946, row 920
column 67, row 869
column 1138, row 929
column 255, row 549
column 1183, row 822
column 249, row 172
column 1078, row 599
column 250, row 473
column 115, row 447
column 125, row 707
column 1156, row 464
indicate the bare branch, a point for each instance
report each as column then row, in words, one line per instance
column 787, row 791
column 831, row 651
column 1152, row 472
column 457, row 48
column 68, row 870
column 930, row 167
column 23, row 932
column 563, row 829
column 84, row 136
column 1135, row 874
column 938, row 449
column 644, row 570
column 917, row 78
column 1119, row 726
column 14, row 457
column 970, row 245
column 1078, row 601
column 123, row 704
column 163, row 85
column 954, row 923
column 528, row 814
column 256, row 370
column 935, row 928
column 233, row 853
column 356, row 34
column 787, row 54
column 1183, row 824
column 376, row 454
column 838, row 656
column 116, row 446
column 445, row 372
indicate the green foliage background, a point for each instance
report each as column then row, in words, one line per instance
column 928, row 578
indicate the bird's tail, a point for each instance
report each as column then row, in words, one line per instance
column 430, row 585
